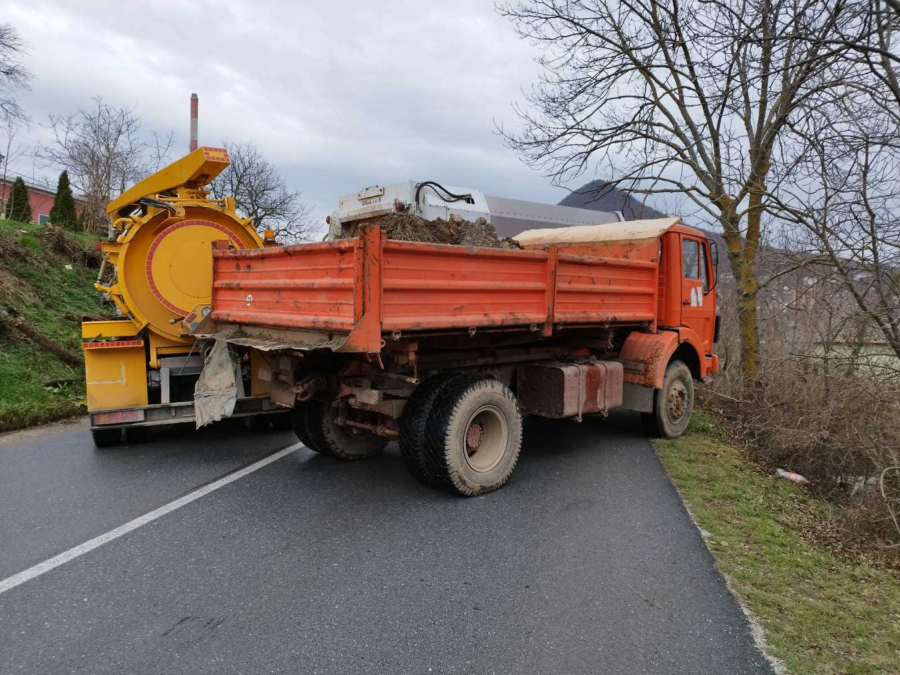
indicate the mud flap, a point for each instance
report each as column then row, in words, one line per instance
column 216, row 391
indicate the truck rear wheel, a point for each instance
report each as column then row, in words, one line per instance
column 673, row 404
column 346, row 443
column 280, row 421
column 414, row 422
column 258, row 423
column 106, row 438
column 299, row 421
column 474, row 435
column 136, row 435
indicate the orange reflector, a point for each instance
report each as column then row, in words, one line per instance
column 117, row 417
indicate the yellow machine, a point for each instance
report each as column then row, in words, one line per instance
column 142, row 366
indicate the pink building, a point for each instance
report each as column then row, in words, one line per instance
column 40, row 198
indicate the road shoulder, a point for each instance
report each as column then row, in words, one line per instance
column 820, row 613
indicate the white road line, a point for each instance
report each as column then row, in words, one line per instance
column 54, row 562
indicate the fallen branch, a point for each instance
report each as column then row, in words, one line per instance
column 12, row 320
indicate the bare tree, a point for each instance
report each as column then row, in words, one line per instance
column 260, row 193
column 104, row 152
column 13, row 75
column 691, row 97
column 843, row 195
column 10, row 151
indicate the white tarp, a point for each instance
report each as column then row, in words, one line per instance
column 216, row 390
column 628, row 230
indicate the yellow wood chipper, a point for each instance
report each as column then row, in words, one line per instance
column 142, row 366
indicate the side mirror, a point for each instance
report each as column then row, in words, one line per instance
column 714, row 259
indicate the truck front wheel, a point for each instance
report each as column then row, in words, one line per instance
column 673, row 404
column 473, row 437
column 346, row 443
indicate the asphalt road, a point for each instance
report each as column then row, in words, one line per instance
column 586, row 562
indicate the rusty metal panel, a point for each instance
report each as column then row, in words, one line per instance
column 430, row 286
column 305, row 286
column 600, row 290
column 560, row 390
column 646, row 355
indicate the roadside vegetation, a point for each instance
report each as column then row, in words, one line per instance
column 776, row 128
column 823, row 609
column 40, row 299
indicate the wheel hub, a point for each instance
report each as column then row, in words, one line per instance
column 676, row 401
column 473, row 437
column 486, row 438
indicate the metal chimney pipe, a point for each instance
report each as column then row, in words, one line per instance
column 194, row 105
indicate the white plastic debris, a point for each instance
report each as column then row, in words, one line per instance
column 69, row 267
column 791, row 476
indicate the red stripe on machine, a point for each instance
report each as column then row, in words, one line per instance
column 112, row 343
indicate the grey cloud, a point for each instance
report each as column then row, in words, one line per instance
column 339, row 95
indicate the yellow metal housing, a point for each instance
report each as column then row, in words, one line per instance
column 158, row 271
column 116, row 373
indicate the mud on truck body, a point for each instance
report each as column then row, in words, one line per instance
column 444, row 348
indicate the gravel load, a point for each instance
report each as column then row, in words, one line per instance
column 455, row 231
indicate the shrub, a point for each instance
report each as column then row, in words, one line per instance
column 840, row 431
column 17, row 206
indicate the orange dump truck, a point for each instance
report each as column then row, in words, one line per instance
column 443, row 348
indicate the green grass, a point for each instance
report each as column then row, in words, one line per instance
column 820, row 613
column 37, row 284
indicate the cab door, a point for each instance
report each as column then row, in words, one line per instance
column 698, row 304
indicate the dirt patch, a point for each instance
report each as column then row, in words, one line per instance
column 455, row 231
column 10, row 249
column 13, row 290
column 58, row 242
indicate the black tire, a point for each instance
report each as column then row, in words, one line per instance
column 299, row 422
column 281, row 421
column 258, row 423
column 673, row 404
column 413, row 425
column 106, row 438
column 135, row 435
column 339, row 442
column 484, row 408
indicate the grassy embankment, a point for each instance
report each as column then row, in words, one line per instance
column 821, row 613
column 35, row 283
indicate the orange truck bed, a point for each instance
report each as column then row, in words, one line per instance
column 369, row 288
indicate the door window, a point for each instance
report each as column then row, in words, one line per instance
column 704, row 269
column 690, row 252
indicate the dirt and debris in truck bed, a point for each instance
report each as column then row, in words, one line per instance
column 455, row 231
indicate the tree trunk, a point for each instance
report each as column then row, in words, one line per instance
column 742, row 258
column 749, row 326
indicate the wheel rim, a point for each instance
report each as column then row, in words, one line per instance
column 486, row 438
column 677, row 401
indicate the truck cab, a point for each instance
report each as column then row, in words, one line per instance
column 687, row 280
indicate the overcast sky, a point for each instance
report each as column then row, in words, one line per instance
column 339, row 95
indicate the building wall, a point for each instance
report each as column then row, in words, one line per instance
column 40, row 201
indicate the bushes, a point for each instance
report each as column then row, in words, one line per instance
column 840, row 431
